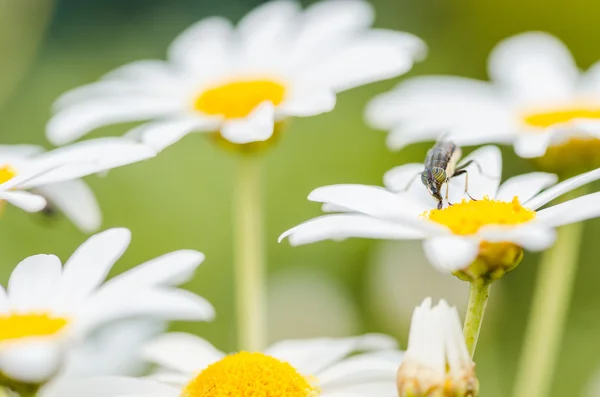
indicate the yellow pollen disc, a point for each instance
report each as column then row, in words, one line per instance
column 239, row 98
column 557, row 116
column 15, row 326
column 250, row 375
column 7, row 173
column 467, row 217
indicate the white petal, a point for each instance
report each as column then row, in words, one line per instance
column 161, row 134
column 88, row 266
column 534, row 66
column 369, row 200
column 576, row 210
column 265, row 33
column 364, row 368
column 204, row 49
column 31, row 361
column 258, row 126
column 76, row 121
column 532, row 144
column 440, row 103
column 325, row 24
column 343, row 226
column 376, row 55
column 484, row 174
column 562, row 188
column 31, row 282
column 312, row 356
column 531, row 237
column 182, row 352
column 399, row 178
column 306, row 100
column 451, row 253
column 9, row 153
column 26, row 201
column 156, row 303
column 114, row 386
column 76, row 200
column 173, row 268
column 525, row 186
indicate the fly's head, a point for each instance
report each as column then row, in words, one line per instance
column 433, row 179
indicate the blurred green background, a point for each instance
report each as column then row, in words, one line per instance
column 182, row 198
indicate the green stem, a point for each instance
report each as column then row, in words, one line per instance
column 249, row 254
column 479, row 293
column 551, row 300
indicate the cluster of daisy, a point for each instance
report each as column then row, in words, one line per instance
column 61, row 324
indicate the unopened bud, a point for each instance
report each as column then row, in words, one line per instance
column 437, row 363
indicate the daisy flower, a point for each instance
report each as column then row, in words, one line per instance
column 29, row 176
column 47, row 308
column 192, row 367
column 279, row 61
column 491, row 230
column 538, row 100
column 436, row 361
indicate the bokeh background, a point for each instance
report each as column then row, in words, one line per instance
column 182, row 198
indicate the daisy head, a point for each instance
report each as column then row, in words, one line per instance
column 436, row 361
column 192, row 367
column 35, row 180
column 537, row 100
column 240, row 82
column 479, row 238
column 47, row 308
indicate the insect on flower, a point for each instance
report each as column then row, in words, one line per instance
column 441, row 166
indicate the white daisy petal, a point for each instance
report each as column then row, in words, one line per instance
column 88, row 266
column 576, row 210
column 182, row 352
column 324, row 24
column 451, row 253
column 103, row 386
column 532, row 144
column 525, row 186
column 343, row 226
column 531, row 237
column 26, row 201
column 484, row 174
column 375, row 56
column 398, row 178
column 562, row 188
column 156, row 303
column 204, row 49
column 364, row 368
column 33, row 361
column 10, row 153
column 31, row 282
column 314, row 355
column 534, row 66
column 161, row 134
column 258, row 126
column 305, row 101
column 173, row 268
column 76, row 200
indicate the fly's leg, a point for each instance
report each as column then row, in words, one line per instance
column 464, row 171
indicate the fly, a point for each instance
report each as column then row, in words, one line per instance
column 441, row 165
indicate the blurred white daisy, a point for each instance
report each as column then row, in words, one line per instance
column 278, row 62
column 192, row 367
column 54, row 175
column 493, row 228
column 538, row 100
column 436, row 361
column 47, row 308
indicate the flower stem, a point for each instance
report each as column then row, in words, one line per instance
column 479, row 293
column 551, row 299
column 249, row 254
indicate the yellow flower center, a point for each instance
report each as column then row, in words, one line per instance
column 557, row 116
column 250, row 375
column 7, row 173
column 16, row 325
column 467, row 217
column 238, row 99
